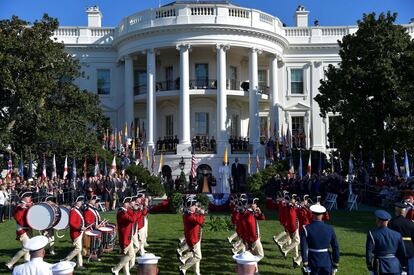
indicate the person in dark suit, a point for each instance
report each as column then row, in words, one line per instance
column 385, row 251
column 237, row 175
column 406, row 228
column 315, row 240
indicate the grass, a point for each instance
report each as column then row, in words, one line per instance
column 351, row 229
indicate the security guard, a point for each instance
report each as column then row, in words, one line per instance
column 315, row 240
column 406, row 227
column 385, row 251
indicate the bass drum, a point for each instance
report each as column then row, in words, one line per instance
column 64, row 219
column 43, row 216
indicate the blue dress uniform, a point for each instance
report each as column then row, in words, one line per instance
column 385, row 249
column 406, row 228
column 315, row 240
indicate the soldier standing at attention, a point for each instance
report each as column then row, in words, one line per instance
column 406, row 228
column 385, row 251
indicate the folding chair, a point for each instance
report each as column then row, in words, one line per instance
column 330, row 201
column 102, row 206
column 352, row 202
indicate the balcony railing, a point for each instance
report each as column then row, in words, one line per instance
column 200, row 84
column 169, row 85
column 240, row 146
column 203, row 145
column 140, row 89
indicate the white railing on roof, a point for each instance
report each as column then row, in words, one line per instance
column 165, row 12
column 202, row 11
column 334, row 31
column 266, row 18
column 295, row 31
column 242, row 13
column 102, row 31
column 67, row 31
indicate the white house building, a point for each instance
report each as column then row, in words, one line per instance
column 208, row 68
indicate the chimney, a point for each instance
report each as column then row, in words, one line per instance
column 94, row 16
column 301, row 16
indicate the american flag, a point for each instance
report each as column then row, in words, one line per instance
column 257, row 162
column 9, row 168
column 193, row 166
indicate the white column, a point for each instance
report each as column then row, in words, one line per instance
column 129, row 90
column 184, row 95
column 253, row 99
column 274, row 96
column 318, row 131
column 151, row 101
column 221, row 98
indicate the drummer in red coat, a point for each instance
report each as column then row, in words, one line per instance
column 193, row 219
column 50, row 233
column 142, row 221
column 23, row 231
column 125, row 219
column 91, row 214
column 77, row 227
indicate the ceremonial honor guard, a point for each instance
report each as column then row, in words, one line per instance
column 125, row 219
column 23, row 230
column 36, row 265
column 77, row 227
column 315, row 240
column 93, row 221
column 193, row 219
column 142, row 222
column 135, row 207
column 406, row 228
column 250, row 228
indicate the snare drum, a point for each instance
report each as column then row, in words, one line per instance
column 64, row 219
column 92, row 240
column 43, row 216
column 108, row 238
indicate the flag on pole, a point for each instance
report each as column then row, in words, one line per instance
column 396, row 171
column 300, row 164
column 264, row 162
column 193, row 166
column 291, row 173
column 350, row 165
column 161, row 163
column 133, row 149
column 153, row 160
column 257, row 162
column 30, row 168
column 104, row 169
column 126, row 130
column 148, row 158
column 226, row 155
column 21, row 167
column 65, row 168
column 383, row 162
column 54, row 172
column 113, row 167
column 96, row 171
column 43, row 176
column 85, row 168
column 119, row 140
column 309, row 168
column 249, row 164
column 9, row 167
column 74, row 173
column 406, row 165
column 116, row 139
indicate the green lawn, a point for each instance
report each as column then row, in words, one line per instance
column 351, row 229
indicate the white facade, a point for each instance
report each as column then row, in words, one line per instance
column 185, row 58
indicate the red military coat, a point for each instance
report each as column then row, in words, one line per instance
column 304, row 216
column 91, row 216
column 20, row 215
column 192, row 228
column 250, row 227
column 291, row 219
column 76, row 222
column 281, row 210
column 141, row 218
column 125, row 219
column 410, row 214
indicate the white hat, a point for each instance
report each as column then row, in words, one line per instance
column 63, row 268
column 317, row 209
column 148, row 258
column 36, row 243
column 246, row 258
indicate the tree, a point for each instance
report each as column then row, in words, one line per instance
column 371, row 90
column 41, row 109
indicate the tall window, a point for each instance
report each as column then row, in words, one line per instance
column 262, row 77
column 263, row 127
column 233, row 78
column 235, row 125
column 296, row 81
column 104, row 81
column 201, row 72
column 169, row 78
column 298, row 132
column 169, row 125
column 140, row 82
column 201, row 123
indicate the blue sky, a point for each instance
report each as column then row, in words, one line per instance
column 328, row 12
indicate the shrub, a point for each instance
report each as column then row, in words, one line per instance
column 176, row 201
column 151, row 183
column 217, row 223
